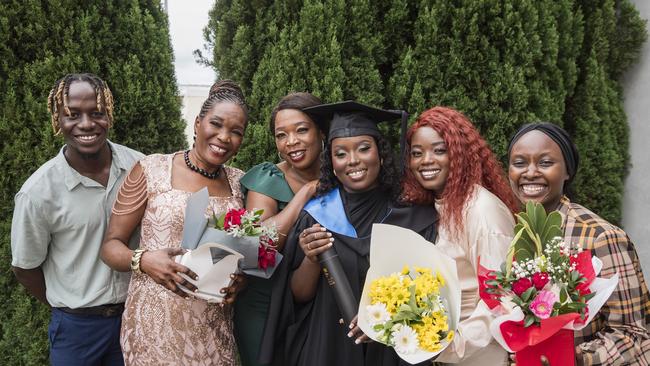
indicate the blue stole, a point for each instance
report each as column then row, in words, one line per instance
column 328, row 211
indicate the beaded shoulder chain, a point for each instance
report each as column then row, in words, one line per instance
column 133, row 193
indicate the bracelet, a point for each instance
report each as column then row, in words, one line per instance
column 135, row 260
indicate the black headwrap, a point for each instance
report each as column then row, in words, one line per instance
column 561, row 138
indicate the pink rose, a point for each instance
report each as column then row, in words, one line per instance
column 233, row 218
column 521, row 285
column 540, row 279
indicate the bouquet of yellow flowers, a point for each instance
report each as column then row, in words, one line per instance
column 407, row 311
column 413, row 308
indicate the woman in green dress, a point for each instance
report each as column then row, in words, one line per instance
column 281, row 190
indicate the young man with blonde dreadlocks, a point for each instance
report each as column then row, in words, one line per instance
column 60, row 215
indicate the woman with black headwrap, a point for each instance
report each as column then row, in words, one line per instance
column 542, row 164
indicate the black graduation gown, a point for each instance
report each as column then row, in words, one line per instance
column 309, row 334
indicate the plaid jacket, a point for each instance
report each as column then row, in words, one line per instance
column 619, row 334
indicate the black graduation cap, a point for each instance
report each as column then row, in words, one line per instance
column 349, row 118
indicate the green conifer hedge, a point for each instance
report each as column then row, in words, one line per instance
column 503, row 63
column 124, row 42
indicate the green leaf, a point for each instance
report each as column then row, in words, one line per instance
column 575, row 276
column 564, row 295
column 509, row 258
column 535, row 239
column 588, row 296
column 536, row 215
column 552, row 227
column 492, row 282
column 258, row 212
column 523, row 254
column 522, row 238
column 523, row 218
column 529, row 320
column 220, row 221
column 412, row 302
column 526, row 296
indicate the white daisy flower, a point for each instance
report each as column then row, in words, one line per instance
column 405, row 340
column 377, row 314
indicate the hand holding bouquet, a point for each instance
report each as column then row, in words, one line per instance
column 233, row 242
column 413, row 308
column 544, row 286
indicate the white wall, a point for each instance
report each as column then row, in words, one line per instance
column 636, row 202
column 193, row 97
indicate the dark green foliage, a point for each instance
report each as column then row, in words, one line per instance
column 595, row 115
column 503, row 63
column 124, row 42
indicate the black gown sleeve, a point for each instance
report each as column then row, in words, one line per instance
column 282, row 312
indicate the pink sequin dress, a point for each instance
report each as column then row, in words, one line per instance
column 159, row 327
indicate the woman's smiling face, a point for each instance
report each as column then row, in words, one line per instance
column 537, row 170
column 356, row 162
column 429, row 160
column 219, row 134
column 297, row 138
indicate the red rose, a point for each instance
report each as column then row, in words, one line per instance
column 540, row 279
column 521, row 285
column 265, row 257
column 233, row 218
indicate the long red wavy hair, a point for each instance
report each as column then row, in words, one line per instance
column 471, row 161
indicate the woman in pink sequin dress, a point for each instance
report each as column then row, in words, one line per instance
column 161, row 324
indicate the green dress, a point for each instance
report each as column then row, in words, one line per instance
column 251, row 306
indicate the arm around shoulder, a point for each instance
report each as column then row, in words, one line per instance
column 285, row 219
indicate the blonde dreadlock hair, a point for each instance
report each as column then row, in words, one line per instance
column 58, row 97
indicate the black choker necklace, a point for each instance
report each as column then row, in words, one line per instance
column 201, row 171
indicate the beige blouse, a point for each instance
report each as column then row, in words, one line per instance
column 487, row 233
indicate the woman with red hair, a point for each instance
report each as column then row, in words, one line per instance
column 451, row 166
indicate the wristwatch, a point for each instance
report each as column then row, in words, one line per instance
column 135, row 260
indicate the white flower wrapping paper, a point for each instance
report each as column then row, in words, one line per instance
column 393, row 247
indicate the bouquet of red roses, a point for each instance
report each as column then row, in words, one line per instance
column 545, row 290
column 233, row 242
column 242, row 223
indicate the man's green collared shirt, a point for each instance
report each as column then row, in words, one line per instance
column 59, row 221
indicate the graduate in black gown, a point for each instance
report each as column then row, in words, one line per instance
column 358, row 187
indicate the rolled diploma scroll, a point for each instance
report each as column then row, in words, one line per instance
column 338, row 282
